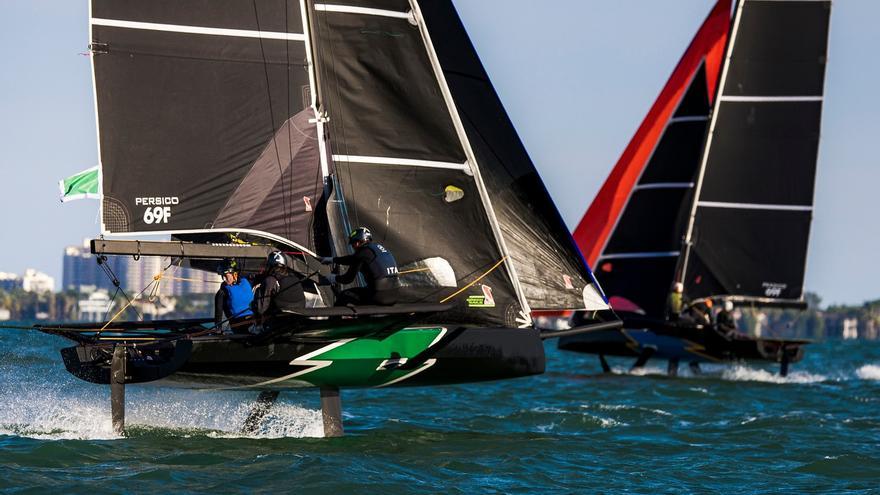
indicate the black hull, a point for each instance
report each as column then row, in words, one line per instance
column 433, row 355
column 680, row 341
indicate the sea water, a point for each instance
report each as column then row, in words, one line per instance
column 734, row 429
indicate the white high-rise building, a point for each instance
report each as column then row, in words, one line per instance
column 34, row 281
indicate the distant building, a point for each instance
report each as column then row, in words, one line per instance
column 850, row 328
column 39, row 282
column 5, row 314
column 9, row 281
column 83, row 274
column 95, row 307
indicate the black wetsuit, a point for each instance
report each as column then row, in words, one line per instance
column 725, row 323
column 278, row 292
column 379, row 269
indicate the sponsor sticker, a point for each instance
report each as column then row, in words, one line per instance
column 308, row 203
column 773, row 289
column 484, row 300
column 567, row 280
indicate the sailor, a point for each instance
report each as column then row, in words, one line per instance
column 233, row 299
column 377, row 265
column 675, row 302
column 281, row 288
column 724, row 321
column 699, row 312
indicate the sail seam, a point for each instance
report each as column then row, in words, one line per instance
column 646, row 254
column 753, row 206
column 350, row 9
column 178, row 28
column 770, row 98
column 689, row 118
column 381, row 160
column 665, row 185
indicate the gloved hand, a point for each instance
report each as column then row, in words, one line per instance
column 331, row 278
column 326, row 260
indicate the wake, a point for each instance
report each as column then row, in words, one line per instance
column 52, row 413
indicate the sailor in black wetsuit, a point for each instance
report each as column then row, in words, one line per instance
column 724, row 321
column 281, row 289
column 375, row 263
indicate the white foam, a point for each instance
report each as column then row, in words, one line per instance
column 741, row 373
column 49, row 412
column 869, row 372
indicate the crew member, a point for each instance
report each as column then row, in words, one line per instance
column 281, row 288
column 375, row 263
column 675, row 302
column 724, row 321
column 233, row 299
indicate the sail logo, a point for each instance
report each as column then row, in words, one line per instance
column 485, row 300
column 158, row 208
column 773, row 289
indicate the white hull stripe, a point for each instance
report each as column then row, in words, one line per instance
column 174, row 28
column 695, row 118
column 651, row 254
column 381, row 160
column 350, row 9
column 753, row 206
column 771, row 98
column 666, row 185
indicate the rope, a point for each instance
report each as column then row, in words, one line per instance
column 414, row 270
column 481, row 277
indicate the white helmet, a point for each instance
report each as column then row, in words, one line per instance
column 728, row 305
column 276, row 258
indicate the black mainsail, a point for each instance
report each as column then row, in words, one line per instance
column 749, row 226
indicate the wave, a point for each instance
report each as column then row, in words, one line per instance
column 55, row 414
column 741, row 373
column 869, row 372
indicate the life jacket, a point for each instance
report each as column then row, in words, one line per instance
column 382, row 271
column 238, row 299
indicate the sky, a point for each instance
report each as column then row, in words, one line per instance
column 576, row 77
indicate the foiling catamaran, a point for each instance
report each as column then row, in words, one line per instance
column 715, row 191
column 242, row 127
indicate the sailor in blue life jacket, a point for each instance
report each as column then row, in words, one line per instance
column 233, row 299
column 377, row 265
column 281, row 288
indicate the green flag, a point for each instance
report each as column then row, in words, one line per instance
column 83, row 185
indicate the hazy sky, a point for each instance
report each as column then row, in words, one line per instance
column 576, row 76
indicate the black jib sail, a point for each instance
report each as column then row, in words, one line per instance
column 633, row 230
column 749, row 226
column 268, row 117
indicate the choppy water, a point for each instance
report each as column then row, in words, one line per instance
column 738, row 429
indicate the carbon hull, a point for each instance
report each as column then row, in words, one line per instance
column 427, row 355
column 692, row 343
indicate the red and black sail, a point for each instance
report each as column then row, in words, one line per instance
column 633, row 230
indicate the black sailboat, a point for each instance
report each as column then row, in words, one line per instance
column 715, row 191
column 239, row 128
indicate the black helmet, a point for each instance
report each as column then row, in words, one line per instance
column 276, row 258
column 228, row 266
column 360, row 234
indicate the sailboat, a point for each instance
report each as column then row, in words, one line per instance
column 242, row 128
column 715, row 190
